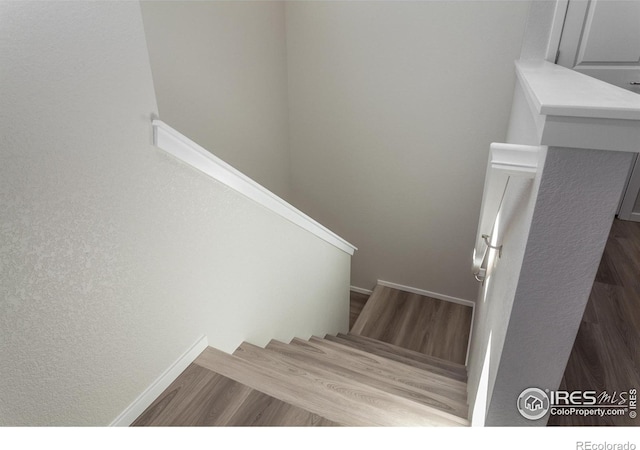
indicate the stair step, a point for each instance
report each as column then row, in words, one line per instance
column 368, row 372
column 262, row 410
column 341, row 401
column 201, row 397
column 376, row 349
column 197, row 397
column 413, row 376
column 358, row 383
column 455, row 368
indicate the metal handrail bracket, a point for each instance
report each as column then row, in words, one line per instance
column 505, row 161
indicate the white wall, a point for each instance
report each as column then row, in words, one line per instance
column 114, row 257
column 220, row 76
column 393, row 106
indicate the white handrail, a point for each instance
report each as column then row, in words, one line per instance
column 505, row 161
column 183, row 148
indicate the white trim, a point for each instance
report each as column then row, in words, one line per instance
column 144, row 400
column 559, row 14
column 446, row 298
column 360, row 290
column 554, row 90
column 196, row 156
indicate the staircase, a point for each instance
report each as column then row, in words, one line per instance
column 343, row 380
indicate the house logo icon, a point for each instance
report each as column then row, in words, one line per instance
column 533, row 403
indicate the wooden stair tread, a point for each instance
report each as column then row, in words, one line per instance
column 201, row 397
column 260, row 409
column 182, row 403
column 367, row 372
column 343, row 402
column 357, row 383
column 459, row 369
column 368, row 348
column 416, row 377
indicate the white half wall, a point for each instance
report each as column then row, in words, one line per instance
column 575, row 206
column 114, row 257
column 392, row 107
column 220, row 76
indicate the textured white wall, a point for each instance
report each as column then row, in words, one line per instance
column 220, row 76
column 393, row 106
column 114, row 257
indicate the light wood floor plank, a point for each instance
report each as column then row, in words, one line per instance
column 336, row 401
column 369, row 373
column 449, row 366
column 197, row 397
column 262, row 410
column 413, row 376
column 606, row 352
column 367, row 347
column 367, row 391
column 426, row 325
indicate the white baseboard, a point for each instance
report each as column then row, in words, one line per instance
column 361, row 290
column 446, row 298
column 133, row 411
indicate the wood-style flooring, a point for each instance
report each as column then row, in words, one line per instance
column 606, row 352
column 341, row 380
column 201, row 397
column 411, row 321
column 318, row 382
